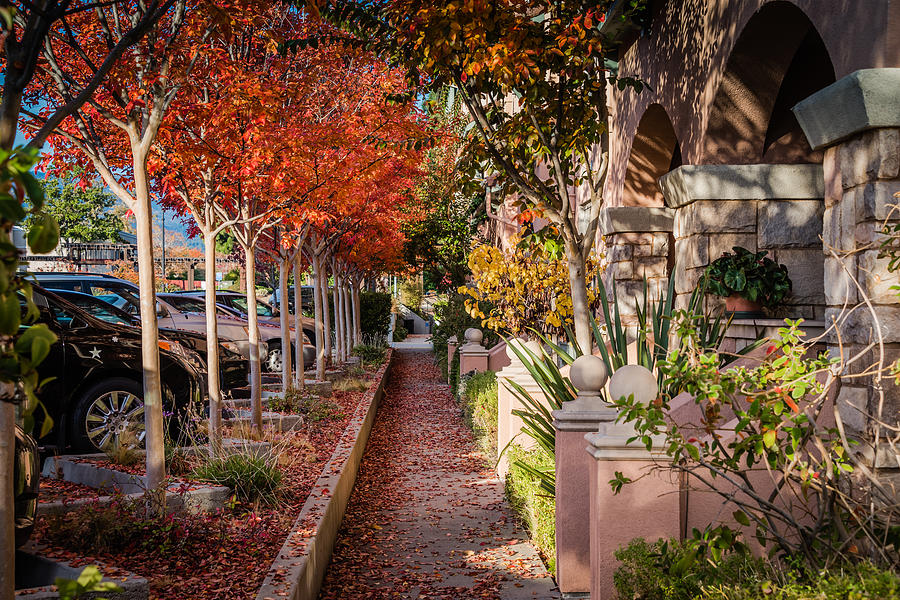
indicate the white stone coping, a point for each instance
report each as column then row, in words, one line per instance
column 863, row 100
column 690, row 183
column 636, row 219
column 582, row 420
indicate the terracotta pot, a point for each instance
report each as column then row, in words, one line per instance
column 739, row 304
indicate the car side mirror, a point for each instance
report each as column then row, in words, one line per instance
column 161, row 310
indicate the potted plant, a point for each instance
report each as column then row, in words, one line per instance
column 749, row 281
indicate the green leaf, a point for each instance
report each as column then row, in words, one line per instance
column 769, row 438
column 11, row 209
column 741, row 518
column 44, row 234
column 10, row 316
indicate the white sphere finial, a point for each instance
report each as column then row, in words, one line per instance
column 588, row 374
column 633, row 380
column 474, row 336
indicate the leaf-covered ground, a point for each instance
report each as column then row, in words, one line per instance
column 426, row 519
column 214, row 557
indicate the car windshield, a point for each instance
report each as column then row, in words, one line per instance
column 262, row 309
column 119, row 296
column 187, row 304
column 97, row 307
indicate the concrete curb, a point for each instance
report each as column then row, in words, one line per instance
column 299, row 569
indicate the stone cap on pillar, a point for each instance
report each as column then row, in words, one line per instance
column 863, row 100
column 473, row 342
column 588, row 410
column 635, row 219
column 690, row 183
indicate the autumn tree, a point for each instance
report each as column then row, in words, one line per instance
column 113, row 135
column 25, row 28
column 534, row 77
column 83, row 212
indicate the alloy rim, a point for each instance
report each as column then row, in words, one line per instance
column 112, row 415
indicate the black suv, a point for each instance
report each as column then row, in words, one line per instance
column 94, row 391
column 233, row 369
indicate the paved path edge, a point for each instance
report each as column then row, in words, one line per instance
column 298, row 570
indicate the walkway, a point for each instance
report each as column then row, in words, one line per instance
column 426, row 519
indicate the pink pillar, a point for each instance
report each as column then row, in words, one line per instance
column 647, row 508
column 452, row 345
column 473, row 356
column 573, row 479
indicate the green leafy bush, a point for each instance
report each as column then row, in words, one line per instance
column 479, row 404
column 318, row 409
column 750, row 275
column 673, row 570
column 370, row 354
column 375, row 314
column 536, row 509
column 400, row 332
column 251, row 477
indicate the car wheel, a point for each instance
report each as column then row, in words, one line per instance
column 273, row 360
column 108, row 412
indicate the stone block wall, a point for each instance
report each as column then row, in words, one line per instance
column 638, row 244
column 777, row 208
column 856, row 121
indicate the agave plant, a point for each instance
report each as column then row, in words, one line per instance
column 653, row 322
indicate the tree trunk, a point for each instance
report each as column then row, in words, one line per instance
column 10, row 108
column 320, row 324
column 338, row 319
column 212, row 347
column 153, row 409
column 326, row 312
column 348, row 317
column 299, row 341
column 284, row 315
column 354, row 309
column 7, row 493
column 253, row 338
column 580, row 305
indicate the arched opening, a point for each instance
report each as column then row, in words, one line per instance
column 654, row 152
column 778, row 60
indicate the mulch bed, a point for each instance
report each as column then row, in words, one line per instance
column 57, row 490
column 225, row 555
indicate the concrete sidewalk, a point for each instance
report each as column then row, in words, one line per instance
column 426, row 519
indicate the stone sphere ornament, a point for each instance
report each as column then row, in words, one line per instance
column 474, row 336
column 588, row 373
column 633, row 380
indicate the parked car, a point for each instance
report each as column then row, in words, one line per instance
column 233, row 369
column 265, row 312
column 125, row 295
column 26, row 481
column 93, row 377
column 270, row 333
column 307, row 297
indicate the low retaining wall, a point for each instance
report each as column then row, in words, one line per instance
column 299, row 569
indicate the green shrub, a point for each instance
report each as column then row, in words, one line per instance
column 861, row 582
column 536, row 510
column 400, row 332
column 479, row 404
column 251, row 477
column 672, row 570
column 370, row 354
column 292, row 402
column 318, row 409
column 453, row 380
column 375, row 314
column 451, row 318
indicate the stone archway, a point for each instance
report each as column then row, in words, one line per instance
column 778, row 60
column 759, row 184
column 654, row 152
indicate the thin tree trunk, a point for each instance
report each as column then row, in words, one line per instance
column 326, row 312
column 299, row 341
column 253, row 338
column 318, row 312
column 338, row 325
column 153, row 409
column 7, row 492
column 212, row 347
column 284, row 315
column 580, row 307
column 348, row 317
column 357, row 312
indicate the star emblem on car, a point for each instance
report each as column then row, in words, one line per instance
column 95, row 353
